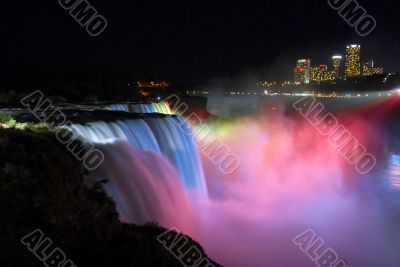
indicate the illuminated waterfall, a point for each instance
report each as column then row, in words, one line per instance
column 152, row 165
column 145, row 186
column 160, row 135
column 119, row 107
column 161, row 108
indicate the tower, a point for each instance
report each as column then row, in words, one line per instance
column 302, row 71
column 353, row 67
column 337, row 62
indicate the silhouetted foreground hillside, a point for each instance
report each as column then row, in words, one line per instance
column 41, row 188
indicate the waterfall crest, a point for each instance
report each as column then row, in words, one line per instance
column 161, row 108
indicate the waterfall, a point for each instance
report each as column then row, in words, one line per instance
column 161, row 108
column 147, row 162
column 160, row 135
column 144, row 185
column 119, row 107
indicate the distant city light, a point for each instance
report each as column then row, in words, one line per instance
column 152, row 84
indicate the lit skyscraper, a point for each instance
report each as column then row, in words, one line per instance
column 302, row 71
column 337, row 62
column 353, row 66
column 308, row 71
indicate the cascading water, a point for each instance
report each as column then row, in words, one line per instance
column 161, row 108
column 119, row 107
column 160, row 135
column 145, row 185
column 152, row 165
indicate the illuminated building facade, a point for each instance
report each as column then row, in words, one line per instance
column 302, row 71
column 353, row 66
column 322, row 74
column 370, row 69
column 337, row 62
column 299, row 75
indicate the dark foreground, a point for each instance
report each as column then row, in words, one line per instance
column 41, row 188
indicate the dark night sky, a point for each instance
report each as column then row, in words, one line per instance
column 194, row 40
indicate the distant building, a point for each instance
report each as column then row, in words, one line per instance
column 315, row 74
column 337, row 62
column 322, row 74
column 161, row 84
column 302, row 71
column 353, row 66
column 152, row 88
column 370, row 69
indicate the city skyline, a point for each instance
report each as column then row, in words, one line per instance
column 351, row 65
